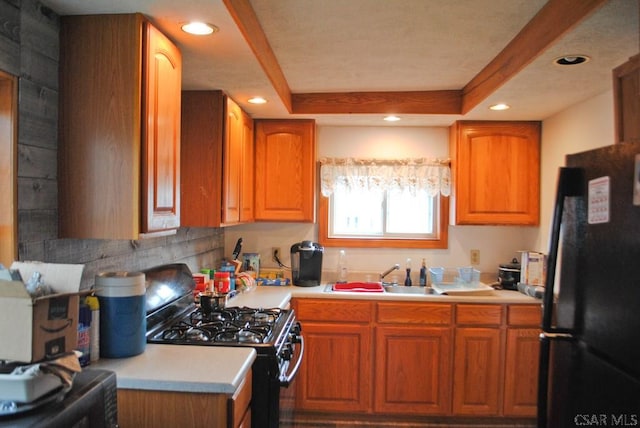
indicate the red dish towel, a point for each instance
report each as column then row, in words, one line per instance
column 375, row 287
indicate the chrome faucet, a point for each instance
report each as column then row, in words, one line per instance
column 388, row 271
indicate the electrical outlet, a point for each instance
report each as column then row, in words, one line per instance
column 275, row 253
column 475, row 257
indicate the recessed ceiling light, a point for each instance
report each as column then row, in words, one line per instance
column 571, row 60
column 391, row 118
column 500, row 106
column 257, row 100
column 199, row 28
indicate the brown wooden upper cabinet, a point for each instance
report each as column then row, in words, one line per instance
column 217, row 161
column 626, row 94
column 285, row 170
column 119, row 154
column 496, row 172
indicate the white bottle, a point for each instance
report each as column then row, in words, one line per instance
column 94, row 332
column 342, row 271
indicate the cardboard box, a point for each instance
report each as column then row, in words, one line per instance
column 533, row 268
column 34, row 329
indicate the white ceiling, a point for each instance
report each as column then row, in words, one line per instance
column 388, row 45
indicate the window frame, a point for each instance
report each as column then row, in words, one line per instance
column 442, row 242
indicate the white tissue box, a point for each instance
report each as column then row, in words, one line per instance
column 25, row 388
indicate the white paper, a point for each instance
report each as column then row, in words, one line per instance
column 598, row 204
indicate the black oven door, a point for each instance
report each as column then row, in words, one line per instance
column 288, row 385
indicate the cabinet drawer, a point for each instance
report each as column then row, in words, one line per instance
column 529, row 315
column 414, row 313
column 479, row 314
column 334, row 310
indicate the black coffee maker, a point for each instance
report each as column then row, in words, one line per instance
column 306, row 263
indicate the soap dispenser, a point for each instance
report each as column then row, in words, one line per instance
column 423, row 274
column 407, row 280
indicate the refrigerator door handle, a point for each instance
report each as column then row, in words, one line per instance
column 570, row 183
column 547, row 335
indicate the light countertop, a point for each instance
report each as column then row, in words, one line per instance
column 264, row 297
column 207, row 369
column 279, row 296
column 212, row 369
column 494, row 296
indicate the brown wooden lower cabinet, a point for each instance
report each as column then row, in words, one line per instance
column 412, row 370
column 476, row 371
column 521, row 361
column 336, row 370
column 418, row 359
column 144, row 408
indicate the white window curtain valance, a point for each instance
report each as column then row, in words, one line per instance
column 430, row 175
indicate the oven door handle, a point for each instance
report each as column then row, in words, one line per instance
column 286, row 381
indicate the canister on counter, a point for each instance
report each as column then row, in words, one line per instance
column 201, row 281
column 123, row 324
column 231, row 270
column 222, row 282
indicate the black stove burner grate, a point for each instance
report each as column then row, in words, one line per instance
column 235, row 325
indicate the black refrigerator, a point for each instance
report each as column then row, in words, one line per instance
column 590, row 341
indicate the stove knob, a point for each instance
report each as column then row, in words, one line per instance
column 294, row 333
column 294, row 338
column 287, row 352
column 296, row 328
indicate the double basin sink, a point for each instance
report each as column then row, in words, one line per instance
column 377, row 287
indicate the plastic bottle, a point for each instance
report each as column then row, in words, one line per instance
column 423, row 273
column 84, row 333
column 407, row 280
column 342, row 272
column 94, row 333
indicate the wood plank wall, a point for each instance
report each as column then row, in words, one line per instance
column 29, row 47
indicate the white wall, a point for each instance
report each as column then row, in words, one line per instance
column 497, row 244
column 584, row 126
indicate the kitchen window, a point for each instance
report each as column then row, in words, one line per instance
column 367, row 203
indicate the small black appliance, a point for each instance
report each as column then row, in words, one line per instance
column 306, row 263
column 509, row 275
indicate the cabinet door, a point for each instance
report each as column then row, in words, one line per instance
column 201, row 158
column 476, row 371
column 496, row 168
column 412, row 370
column 239, row 406
column 521, row 372
column 232, row 166
column 152, row 409
column 99, row 154
column 285, row 170
column 336, row 372
column 248, row 165
column 161, row 133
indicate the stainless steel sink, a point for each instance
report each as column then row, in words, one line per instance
column 401, row 289
column 360, row 287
